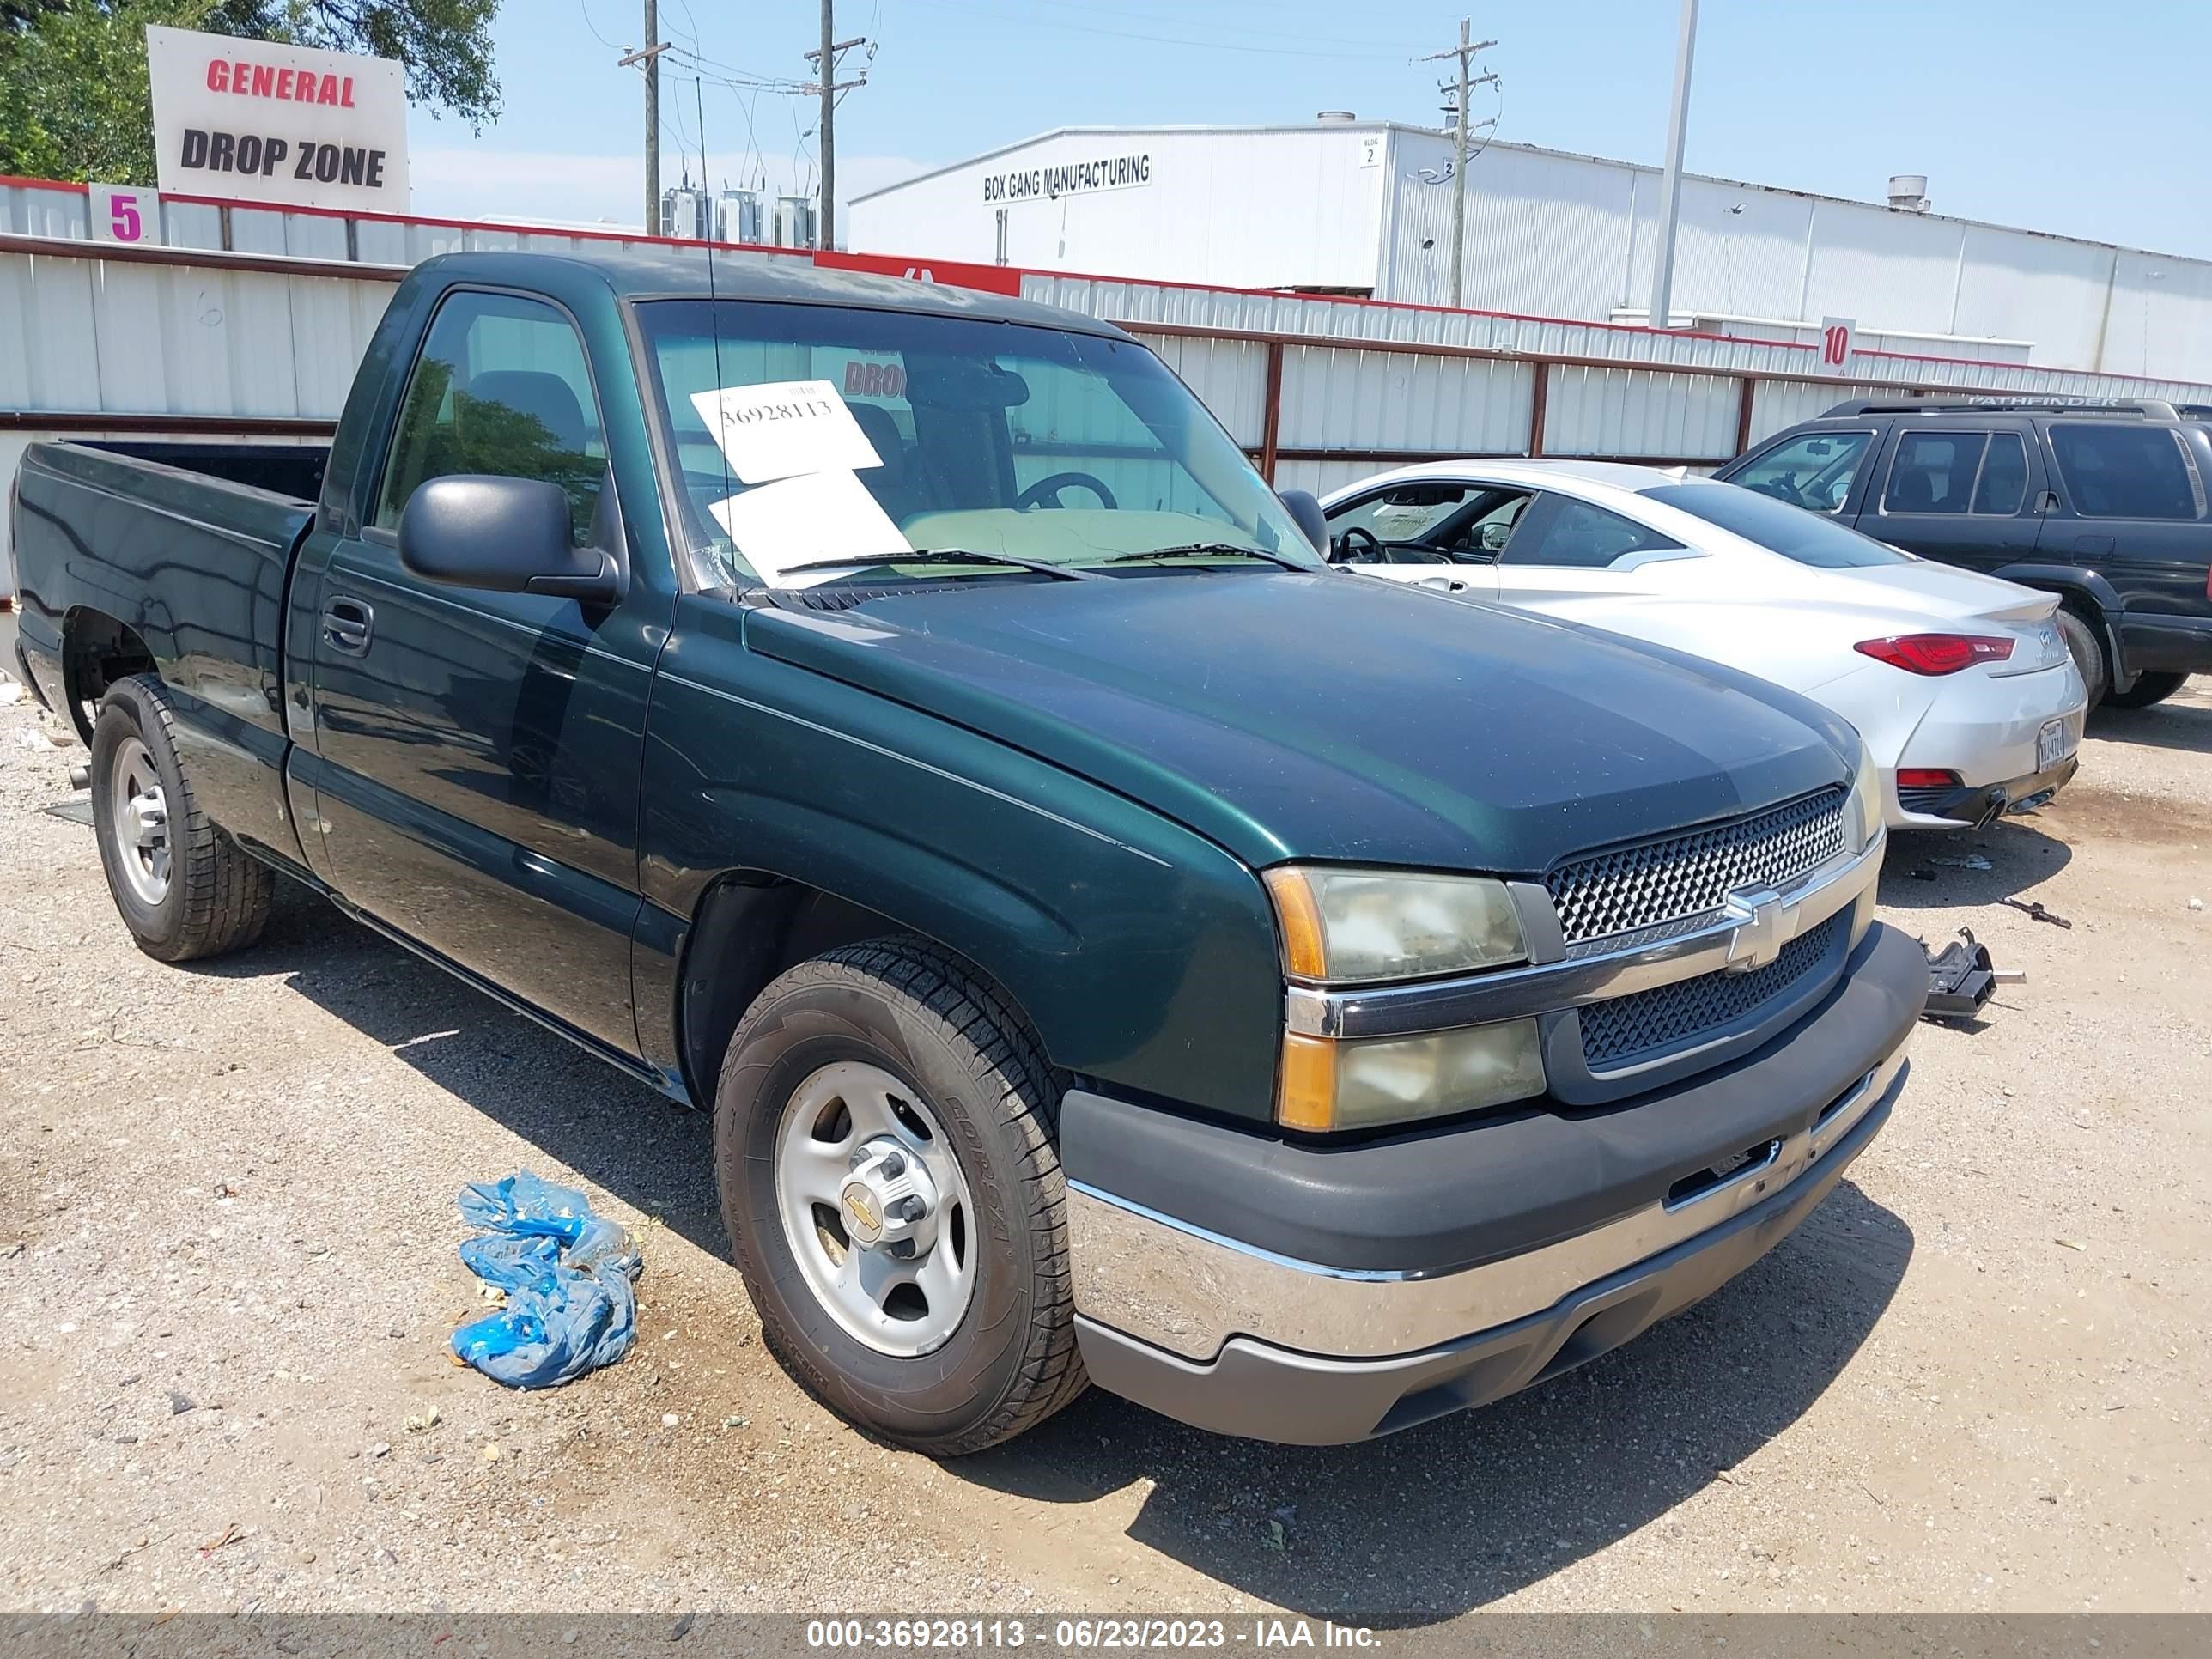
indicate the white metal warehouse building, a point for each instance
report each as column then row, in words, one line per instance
column 1366, row 208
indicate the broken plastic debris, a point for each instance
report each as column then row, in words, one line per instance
column 417, row 1422
column 1971, row 861
column 570, row 1307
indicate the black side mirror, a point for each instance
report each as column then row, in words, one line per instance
column 1305, row 511
column 506, row 536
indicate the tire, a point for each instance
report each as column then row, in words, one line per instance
column 195, row 892
column 2147, row 689
column 2084, row 640
column 902, row 1016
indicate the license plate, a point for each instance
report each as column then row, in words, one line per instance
column 2050, row 744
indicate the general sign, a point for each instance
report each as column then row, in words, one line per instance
column 258, row 121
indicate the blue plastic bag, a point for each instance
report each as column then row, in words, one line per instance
column 571, row 1305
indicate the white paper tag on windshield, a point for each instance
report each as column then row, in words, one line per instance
column 817, row 515
column 783, row 429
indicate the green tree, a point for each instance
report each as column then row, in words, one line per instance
column 74, row 102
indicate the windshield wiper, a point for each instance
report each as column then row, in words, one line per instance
column 1198, row 548
column 939, row 556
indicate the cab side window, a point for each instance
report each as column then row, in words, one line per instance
column 1933, row 471
column 1561, row 532
column 501, row 388
column 1814, row 470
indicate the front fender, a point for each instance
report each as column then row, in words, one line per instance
column 1144, row 955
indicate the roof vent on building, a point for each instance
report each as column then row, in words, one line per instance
column 1337, row 116
column 1909, row 191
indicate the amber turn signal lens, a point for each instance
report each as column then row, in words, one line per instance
column 1306, row 1096
column 1300, row 917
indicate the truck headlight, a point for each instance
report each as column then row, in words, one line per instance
column 1358, row 927
column 1349, row 926
column 1863, row 815
column 1328, row 1083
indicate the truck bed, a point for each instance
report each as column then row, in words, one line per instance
column 176, row 562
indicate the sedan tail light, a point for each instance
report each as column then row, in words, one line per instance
column 1936, row 653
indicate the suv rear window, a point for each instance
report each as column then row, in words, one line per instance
column 2118, row 471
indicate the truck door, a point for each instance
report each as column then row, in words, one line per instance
column 479, row 752
column 1966, row 496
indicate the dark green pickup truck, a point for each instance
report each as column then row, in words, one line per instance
column 1115, row 945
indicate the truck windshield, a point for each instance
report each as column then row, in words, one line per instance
column 803, row 435
column 1795, row 532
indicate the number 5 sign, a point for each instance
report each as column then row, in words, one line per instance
column 124, row 213
column 1835, row 343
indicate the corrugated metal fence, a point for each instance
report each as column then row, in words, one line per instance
column 248, row 322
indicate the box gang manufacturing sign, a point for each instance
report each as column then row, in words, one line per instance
column 263, row 122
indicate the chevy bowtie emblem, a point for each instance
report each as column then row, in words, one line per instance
column 863, row 1212
column 1764, row 924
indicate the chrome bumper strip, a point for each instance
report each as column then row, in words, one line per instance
column 1186, row 1289
column 1441, row 1005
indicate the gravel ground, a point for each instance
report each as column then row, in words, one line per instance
column 1976, row 1380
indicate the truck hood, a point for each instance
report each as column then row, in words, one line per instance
column 1324, row 717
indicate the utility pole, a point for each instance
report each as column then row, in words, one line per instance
column 1465, row 51
column 1670, row 188
column 825, row 67
column 649, row 56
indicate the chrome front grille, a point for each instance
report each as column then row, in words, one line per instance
column 1653, row 883
column 1647, row 1024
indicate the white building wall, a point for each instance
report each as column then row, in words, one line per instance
column 1554, row 235
column 1276, row 207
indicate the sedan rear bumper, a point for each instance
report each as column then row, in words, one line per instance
column 1980, row 804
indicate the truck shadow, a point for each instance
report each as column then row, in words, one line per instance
column 619, row 1135
column 1448, row 1517
column 1406, row 1531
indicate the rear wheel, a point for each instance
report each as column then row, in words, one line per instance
column 2147, row 689
column 884, row 1148
column 184, row 889
column 2084, row 640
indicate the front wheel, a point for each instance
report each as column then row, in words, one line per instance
column 2147, row 689
column 884, row 1150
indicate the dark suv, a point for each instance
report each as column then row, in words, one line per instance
column 2103, row 504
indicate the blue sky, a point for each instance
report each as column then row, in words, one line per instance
column 2078, row 119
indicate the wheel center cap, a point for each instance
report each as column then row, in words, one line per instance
column 888, row 1200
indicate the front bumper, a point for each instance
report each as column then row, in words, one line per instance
column 1320, row 1296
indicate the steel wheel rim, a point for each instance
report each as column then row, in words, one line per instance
column 902, row 1306
column 139, row 810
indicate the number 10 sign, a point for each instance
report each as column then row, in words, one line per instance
column 124, row 213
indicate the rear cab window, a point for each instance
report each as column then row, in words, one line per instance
column 1808, row 538
column 2117, row 471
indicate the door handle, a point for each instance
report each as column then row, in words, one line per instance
column 347, row 625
